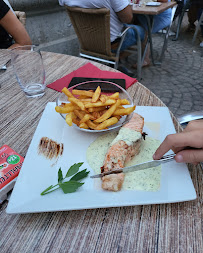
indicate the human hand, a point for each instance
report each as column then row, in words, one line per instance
column 192, row 136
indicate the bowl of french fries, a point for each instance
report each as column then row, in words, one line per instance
column 95, row 106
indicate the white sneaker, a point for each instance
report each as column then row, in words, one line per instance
column 169, row 34
column 201, row 44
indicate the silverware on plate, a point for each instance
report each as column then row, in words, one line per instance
column 185, row 118
column 141, row 166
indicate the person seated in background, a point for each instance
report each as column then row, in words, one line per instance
column 160, row 22
column 187, row 145
column 12, row 31
column 121, row 16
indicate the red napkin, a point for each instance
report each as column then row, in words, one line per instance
column 91, row 71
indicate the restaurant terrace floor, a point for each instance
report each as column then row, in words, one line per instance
column 178, row 82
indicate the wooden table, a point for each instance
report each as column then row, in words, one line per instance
column 149, row 10
column 149, row 13
column 161, row 228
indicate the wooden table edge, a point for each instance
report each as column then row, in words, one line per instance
column 148, row 10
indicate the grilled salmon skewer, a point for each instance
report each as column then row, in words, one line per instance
column 122, row 149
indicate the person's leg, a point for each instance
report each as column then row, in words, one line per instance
column 146, row 61
column 161, row 21
column 131, row 36
column 192, row 17
column 131, row 40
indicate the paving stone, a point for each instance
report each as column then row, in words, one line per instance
column 196, row 102
column 176, row 100
column 165, row 100
column 174, row 105
column 200, row 90
column 187, row 97
column 198, row 108
column 177, row 95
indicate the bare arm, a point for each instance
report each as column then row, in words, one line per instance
column 192, row 136
column 16, row 29
column 126, row 15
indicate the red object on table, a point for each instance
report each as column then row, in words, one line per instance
column 91, row 71
column 10, row 165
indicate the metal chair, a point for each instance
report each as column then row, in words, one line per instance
column 200, row 22
column 92, row 27
column 167, row 34
column 185, row 6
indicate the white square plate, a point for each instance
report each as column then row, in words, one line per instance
column 38, row 173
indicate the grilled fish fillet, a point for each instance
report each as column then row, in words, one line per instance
column 125, row 146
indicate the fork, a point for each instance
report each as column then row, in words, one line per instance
column 4, row 66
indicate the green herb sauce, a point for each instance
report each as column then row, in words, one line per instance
column 127, row 135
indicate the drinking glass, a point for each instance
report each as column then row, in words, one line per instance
column 29, row 70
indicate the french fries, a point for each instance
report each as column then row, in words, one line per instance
column 108, row 113
column 96, row 95
column 125, row 111
column 69, row 118
column 92, row 109
column 67, row 92
column 107, row 123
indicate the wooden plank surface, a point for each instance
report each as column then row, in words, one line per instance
column 161, row 228
column 149, row 10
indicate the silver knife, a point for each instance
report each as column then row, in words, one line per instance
column 141, row 166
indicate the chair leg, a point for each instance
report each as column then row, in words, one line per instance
column 139, row 60
column 164, row 45
column 197, row 28
column 195, row 34
column 180, row 19
column 116, row 64
column 167, row 35
column 139, row 50
column 149, row 28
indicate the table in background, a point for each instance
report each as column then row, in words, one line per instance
column 148, row 12
column 151, row 228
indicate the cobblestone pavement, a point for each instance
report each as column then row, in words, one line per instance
column 178, row 82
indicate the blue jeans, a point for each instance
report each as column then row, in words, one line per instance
column 131, row 37
column 160, row 21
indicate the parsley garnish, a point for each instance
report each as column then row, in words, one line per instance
column 72, row 184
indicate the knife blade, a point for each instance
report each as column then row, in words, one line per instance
column 141, row 166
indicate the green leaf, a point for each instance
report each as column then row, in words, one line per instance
column 70, row 186
column 47, row 189
column 80, row 175
column 60, row 176
column 47, row 192
column 73, row 169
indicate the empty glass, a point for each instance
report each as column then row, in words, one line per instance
column 29, row 70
